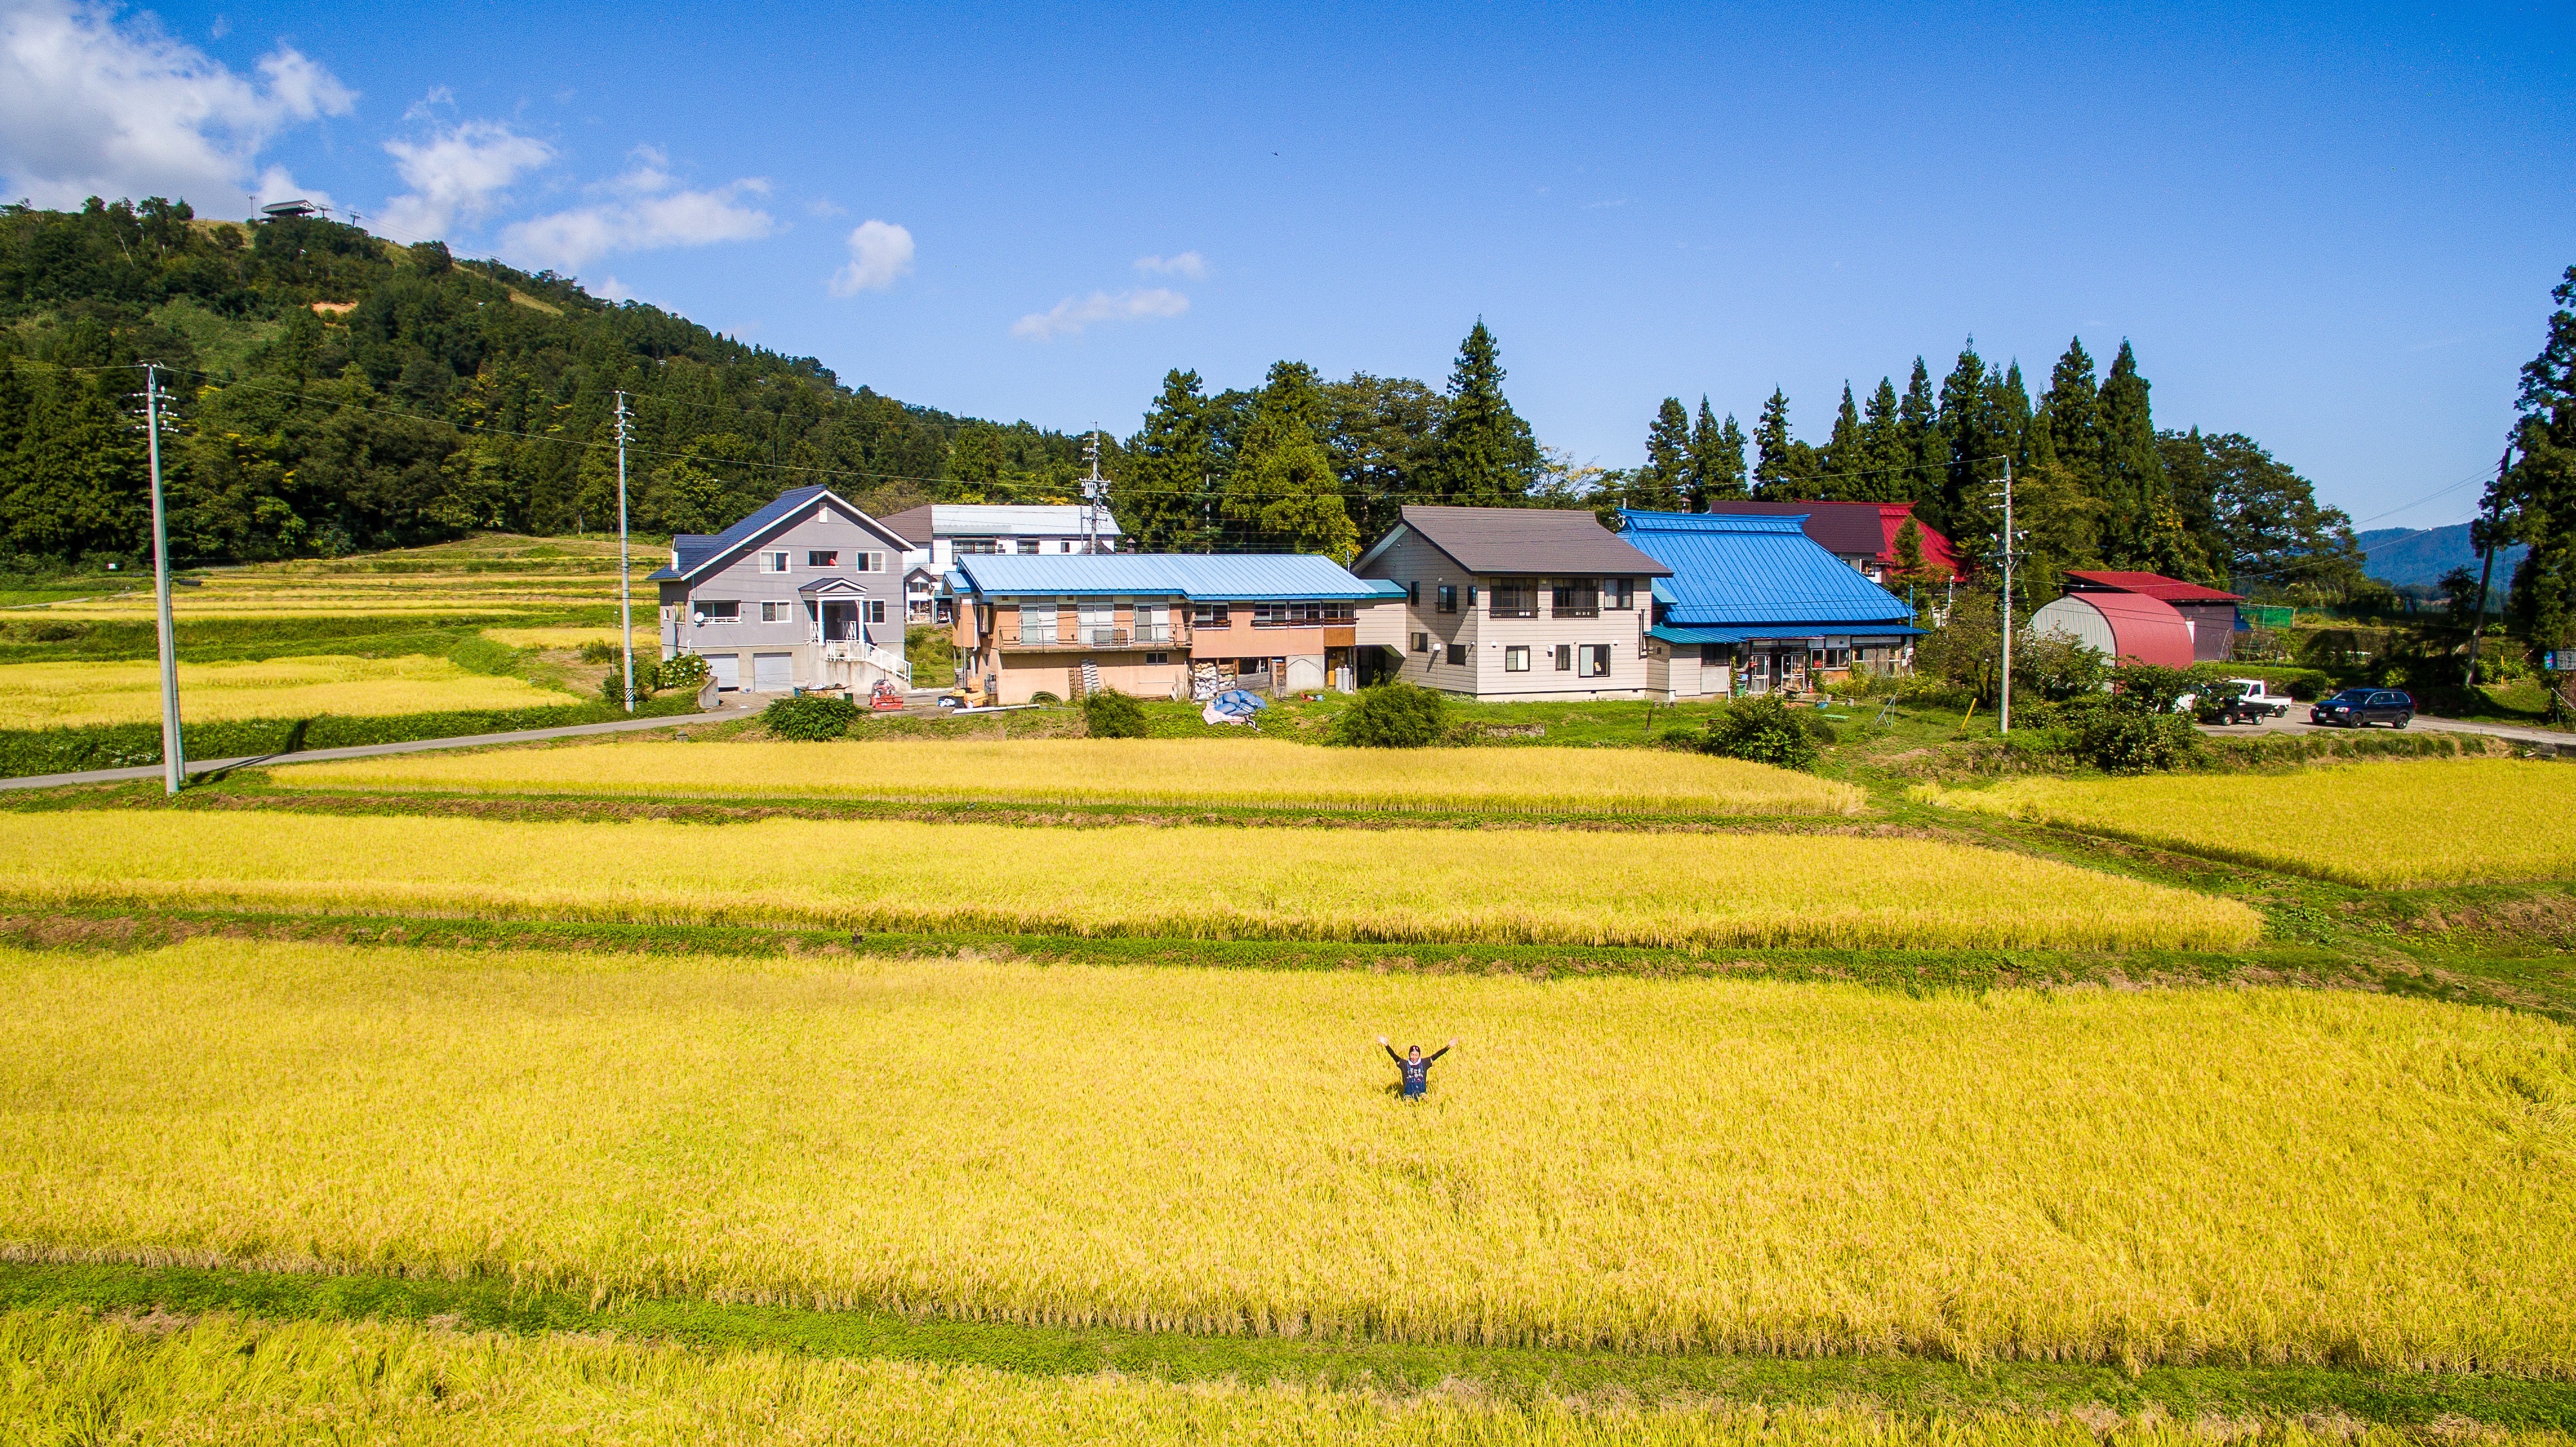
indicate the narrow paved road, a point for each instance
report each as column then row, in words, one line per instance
column 2297, row 723
column 733, row 707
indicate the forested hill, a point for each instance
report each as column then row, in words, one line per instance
column 339, row 392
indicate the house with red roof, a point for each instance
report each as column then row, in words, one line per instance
column 1862, row 534
column 2146, row 617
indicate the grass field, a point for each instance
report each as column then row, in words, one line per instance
column 65, row 695
column 1517, row 885
column 1184, row 772
column 493, row 574
column 244, row 1380
column 2168, row 1176
column 2378, row 825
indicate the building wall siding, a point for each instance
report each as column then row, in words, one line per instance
column 1412, row 560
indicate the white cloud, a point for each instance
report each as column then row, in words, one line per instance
column 89, row 106
column 457, row 174
column 647, row 212
column 1188, row 263
column 1069, row 316
column 880, row 251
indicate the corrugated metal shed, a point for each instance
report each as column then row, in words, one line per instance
column 1215, row 576
column 2120, row 625
column 2151, row 585
column 1734, row 570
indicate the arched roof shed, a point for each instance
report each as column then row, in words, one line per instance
column 2122, row 625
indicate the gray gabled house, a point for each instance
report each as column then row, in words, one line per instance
column 804, row 593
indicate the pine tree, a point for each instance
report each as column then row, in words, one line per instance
column 2075, row 417
column 1487, row 455
column 2133, row 476
column 1663, row 483
column 1717, row 463
column 2538, row 491
column 79, row 487
column 1884, row 455
column 1283, row 492
column 1845, row 467
column 1774, row 470
column 1971, row 435
column 1158, row 501
column 1927, row 451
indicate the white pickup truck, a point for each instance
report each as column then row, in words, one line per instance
column 2240, row 700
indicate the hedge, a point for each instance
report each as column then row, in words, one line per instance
column 127, row 746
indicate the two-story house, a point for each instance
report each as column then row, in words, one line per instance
column 1517, row 602
column 1163, row 625
column 941, row 533
column 801, row 593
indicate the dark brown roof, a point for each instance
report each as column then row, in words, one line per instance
column 1845, row 529
column 1529, row 540
column 912, row 523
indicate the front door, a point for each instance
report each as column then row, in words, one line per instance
column 840, row 622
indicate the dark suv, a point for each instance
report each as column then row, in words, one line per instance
column 2357, row 706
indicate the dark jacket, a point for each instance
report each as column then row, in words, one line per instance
column 1417, row 1073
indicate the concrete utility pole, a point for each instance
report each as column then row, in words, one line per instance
column 625, row 598
column 1093, row 489
column 174, row 755
column 2010, row 539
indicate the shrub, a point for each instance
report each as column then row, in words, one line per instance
column 813, row 717
column 686, row 671
column 2127, row 741
column 1396, row 715
column 1042, row 696
column 599, row 650
column 2150, row 688
column 1764, row 730
column 612, row 684
column 1110, row 714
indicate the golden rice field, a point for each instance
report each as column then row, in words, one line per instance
column 66, row 695
column 1501, row 886
column 2380, row 825
column 488, row 575
column 1179, row 772
column 566, row 637
column 235, row 1380
column 2220, row 1177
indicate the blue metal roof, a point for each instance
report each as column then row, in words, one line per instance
column 1672, row 634
column 1733, row 571
column 1211, row 576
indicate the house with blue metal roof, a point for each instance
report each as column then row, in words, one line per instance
column 1164, row 625
column 804, row 593
column 1754, row 605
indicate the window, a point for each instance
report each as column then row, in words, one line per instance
column 773, row 562
column 713, row 611
column 1514, row 600
column 1421, row 642
column 1592, row 660
column 1576, row 598
column 1564, row 657
column 1412, row 593
column 1458, row 653
column 1618, row 594
column 977, row 547
column 823, row 558
column 872, row 610
column 1516, row 659
column 774, row 612
column 1028, row 545
column 1448, row 598
column 1210, row 615
column 1157, row 660
column 868, row 562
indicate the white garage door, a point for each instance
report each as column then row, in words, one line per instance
column 773, row 672
column 727, row 668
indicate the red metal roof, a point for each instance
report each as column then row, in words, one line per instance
column 2146, row 629
column 2153, row 585
column 1937, row 552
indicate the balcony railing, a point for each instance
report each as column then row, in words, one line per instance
column 1150, row 635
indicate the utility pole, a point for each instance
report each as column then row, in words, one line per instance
column 2486, row 568
column 1093, row 489
column 625, row 598
column 2010, row 539
column 174, row 755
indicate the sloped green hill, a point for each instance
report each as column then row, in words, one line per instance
column 338, row 392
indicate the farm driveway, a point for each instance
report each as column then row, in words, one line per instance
column 735, row 707
column 2297, row 723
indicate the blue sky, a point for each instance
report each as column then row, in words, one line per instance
column 2334, row 229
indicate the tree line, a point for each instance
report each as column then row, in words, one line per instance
column 2533, row 499
column 337, row 392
